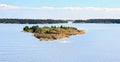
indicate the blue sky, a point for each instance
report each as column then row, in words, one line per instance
column 60, row 9
column 63, row 3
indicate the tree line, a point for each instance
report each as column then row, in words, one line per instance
column 49, row 21
column 45, row 29
column 98, row 21
column 31, row 21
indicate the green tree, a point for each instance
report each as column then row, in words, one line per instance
column 26, row 28
column 34, row 28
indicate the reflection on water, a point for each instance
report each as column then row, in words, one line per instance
column 100, row 44
column 64, row 41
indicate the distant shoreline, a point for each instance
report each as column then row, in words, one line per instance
column 52, row 21
column 63, row 23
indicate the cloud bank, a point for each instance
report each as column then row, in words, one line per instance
column 67, row 13
column 80, row 8
column 5, row 6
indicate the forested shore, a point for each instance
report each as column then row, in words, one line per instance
column 52, row 21
column 31, row 21
column 98, row 21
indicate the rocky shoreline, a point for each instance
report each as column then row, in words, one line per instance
column 53, row 32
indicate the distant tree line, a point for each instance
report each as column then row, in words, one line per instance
column 49, row 21
column 31, row 21
column 98, row 21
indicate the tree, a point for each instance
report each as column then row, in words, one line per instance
column 34, row 28
column 26, row 28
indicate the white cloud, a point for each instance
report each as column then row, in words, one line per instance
column 59, row 12
column 48, row 8
column 60, row 8
column 5, row 6
column 79, row 8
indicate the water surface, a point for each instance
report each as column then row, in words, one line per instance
column 100, row 44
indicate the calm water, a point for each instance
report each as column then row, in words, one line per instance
column 101, row 43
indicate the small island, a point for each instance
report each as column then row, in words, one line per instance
column 53, row 32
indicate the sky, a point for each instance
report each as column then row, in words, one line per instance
column 60, row 9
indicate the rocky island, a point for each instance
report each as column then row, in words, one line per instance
column 53, row 32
